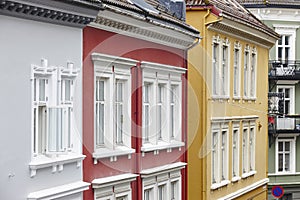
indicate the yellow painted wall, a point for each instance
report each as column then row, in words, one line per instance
column 201, row 108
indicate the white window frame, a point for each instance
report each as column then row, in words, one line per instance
column 113, row 69
column 290, row 30
column 248, row 148
column 220, row 164
column 291, row 98
column 155, row 177
column 113, row 187
column 292, row 140
column 247, row 63
column 220, row 68
column 237, row 71
column 236, row 152
column 156, row 75
column 59, row 148
column 252, row 74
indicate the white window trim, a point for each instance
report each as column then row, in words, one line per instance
column 113, row 186
column 292, row 95
column 219, row 127
column 237, row 46
column 163, row 175
column 292, row 140
column 55, row 75
column 112, row 68
column 59, row 191
column 253, row 80
column 248, row 125
column 217, row 83
column 236, row 127
column 283, row 29
column 168, row 75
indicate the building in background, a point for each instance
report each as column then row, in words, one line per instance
column 284, row 94
column 41, row 98
column 227, row 102
column 134, row 100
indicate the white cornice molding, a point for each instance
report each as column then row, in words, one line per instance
column 243, row 32
column 113, row 180
column 276, row 14
column 162, row 67
column 245, row 190
column 162, row 169
column 59, row 191
column 285, row 26
column 144, row 29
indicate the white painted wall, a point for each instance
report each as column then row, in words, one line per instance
column 22, row 43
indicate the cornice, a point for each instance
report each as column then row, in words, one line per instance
column 139, row 26
column 46, row 13
column 243, row 32
column 276, row 14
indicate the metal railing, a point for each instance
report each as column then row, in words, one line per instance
column 285, row 68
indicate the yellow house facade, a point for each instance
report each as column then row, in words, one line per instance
column 227, row 107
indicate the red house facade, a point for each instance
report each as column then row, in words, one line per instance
column 134, row 101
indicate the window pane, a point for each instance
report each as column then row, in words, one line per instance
column 279, row 53
column 287, row 107
column 280, row 162
column 55, row 130
column 146, row 122
column 161, row 192
column 287, row 162
column 100, row 123
column 287, row 93
column 42, row 89
column 174, row 190
column 287, row 146
column 68, row 90
column 287, row 53
column 223, row 159
column 235, row 153
column 214, row 157
column 280, row 146
column 119, row 123
column 280, row 40
column 287, row 40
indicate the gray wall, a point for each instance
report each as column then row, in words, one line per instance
column 22, row 43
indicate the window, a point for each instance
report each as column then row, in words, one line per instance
column 220, row 67
column 246, row 71
column 163, row 185
column 285, row 154
column 286, row 106
column 162, row 96
column 114, row 187
column 52, row 108
column 235, row 152
column 248, row 149
column 112, row 106
column 215, row 74
column 236, row 70
column 219, row 155
column 253, row 74
column 285, row 46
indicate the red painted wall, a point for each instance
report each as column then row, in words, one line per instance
column 95, row 40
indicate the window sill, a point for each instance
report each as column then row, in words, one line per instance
column 235, row 179
column 248, row 174
column 112, row 153
column 148, row 147
column 220, row 97
column 57, row 162
column 249, row 99
column 219, row 185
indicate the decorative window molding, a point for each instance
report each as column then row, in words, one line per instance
column 52, row 116
column 113, row 187
column 285, row 155
column 220, row 67
column 59, row 191
column 248, row 148
column 112, row 106
column 286, row 46
column 162, row 98
column 237, row 71
column 220, row 154
column 235, row 152
column 162, row 182
column 250, row 71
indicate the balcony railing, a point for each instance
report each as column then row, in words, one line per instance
column 284, row 124
column 285, row 70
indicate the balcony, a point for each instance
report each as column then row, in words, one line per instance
column 284, row 124
column 284, row 70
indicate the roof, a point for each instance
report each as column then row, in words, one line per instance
column 162, row 14
column 234, row 11
column 270, row 3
